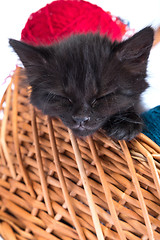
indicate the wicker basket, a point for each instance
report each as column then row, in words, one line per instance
column 54, row 186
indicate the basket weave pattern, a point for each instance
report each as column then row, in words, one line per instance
column 54, row 186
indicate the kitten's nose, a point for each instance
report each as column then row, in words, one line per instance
column 81, row 119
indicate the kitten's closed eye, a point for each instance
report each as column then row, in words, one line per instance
column 51, row 97
column 102, row 97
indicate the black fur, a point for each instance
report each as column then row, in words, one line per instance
column 89, row 82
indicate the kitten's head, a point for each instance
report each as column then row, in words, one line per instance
column 86, row 79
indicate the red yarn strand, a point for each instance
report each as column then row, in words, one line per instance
column 49, row 19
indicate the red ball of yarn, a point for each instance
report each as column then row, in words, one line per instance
column 62, row 18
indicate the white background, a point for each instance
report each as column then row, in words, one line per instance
column 140, row 13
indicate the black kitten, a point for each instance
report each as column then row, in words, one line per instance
column 90, row 82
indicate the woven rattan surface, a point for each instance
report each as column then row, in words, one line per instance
column 54, row 186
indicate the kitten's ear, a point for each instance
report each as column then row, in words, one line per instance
column 29, row 54
column 137, row 48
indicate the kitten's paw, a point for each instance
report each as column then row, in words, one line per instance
column 122, row 129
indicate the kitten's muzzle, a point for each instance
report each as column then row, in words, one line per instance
column 81, row 120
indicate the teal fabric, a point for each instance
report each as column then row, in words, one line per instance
column 151, row 120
